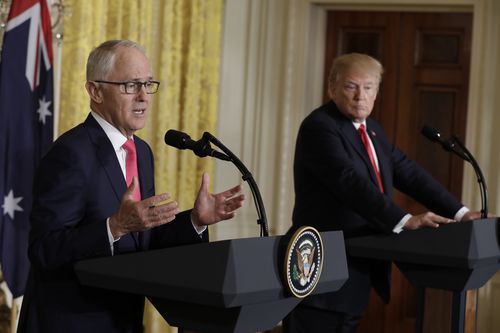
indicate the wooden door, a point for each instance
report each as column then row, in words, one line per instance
column 426, row 59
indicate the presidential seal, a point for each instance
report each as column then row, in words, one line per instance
column 303, row 261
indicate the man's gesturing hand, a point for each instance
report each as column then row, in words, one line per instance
column 211, row 208
column 141, row 215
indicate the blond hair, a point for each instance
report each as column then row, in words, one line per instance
column 357, row 62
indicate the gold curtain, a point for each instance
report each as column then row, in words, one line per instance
column 182, row 39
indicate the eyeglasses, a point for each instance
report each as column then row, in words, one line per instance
column 134, row 87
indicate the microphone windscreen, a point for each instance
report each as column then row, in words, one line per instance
column 177, row 139
column 431, row 134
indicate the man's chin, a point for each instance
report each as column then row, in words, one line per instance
column 361, row 114
column 138, row 125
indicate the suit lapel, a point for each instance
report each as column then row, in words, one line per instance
column 352, row 136
column 143, row 168
column 106, row 156
column 354, row 139
column 146, row 183
column 382, row 156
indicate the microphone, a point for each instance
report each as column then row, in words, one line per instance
column 201, row 148
column 462, row 151
column 434, row 135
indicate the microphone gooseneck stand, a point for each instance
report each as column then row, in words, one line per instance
column 451, row 146
column 459, row 297
column 479, row 175
column 246, row 176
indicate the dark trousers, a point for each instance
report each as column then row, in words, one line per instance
column 304, row 319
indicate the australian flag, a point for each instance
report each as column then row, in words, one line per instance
column 26, row 128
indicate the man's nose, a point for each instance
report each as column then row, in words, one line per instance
column 360, row 94
column 142, row 94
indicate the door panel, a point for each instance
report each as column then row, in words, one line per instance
column 426, row 59
column 365, row 32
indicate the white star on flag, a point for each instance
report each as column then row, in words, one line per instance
column 10, row 204
column 43, row 110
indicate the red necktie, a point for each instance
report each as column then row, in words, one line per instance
column 366, row 142
column 131, row 167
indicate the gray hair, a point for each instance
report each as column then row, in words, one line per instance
column 101, row 59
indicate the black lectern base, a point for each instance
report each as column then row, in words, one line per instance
column 226, row 286
column 208, row 319
column 447, row 278
column 455, row 257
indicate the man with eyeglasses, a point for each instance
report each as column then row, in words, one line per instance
column 94, row 197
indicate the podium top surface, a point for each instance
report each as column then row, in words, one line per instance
column 223, row 273
column 470, row 244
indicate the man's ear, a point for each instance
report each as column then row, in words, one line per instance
column 331, row 91
column 94, row 92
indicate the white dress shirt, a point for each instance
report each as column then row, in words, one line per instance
column 117, row 139
column 399, row 227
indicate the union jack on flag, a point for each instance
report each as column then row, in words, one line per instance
column 26, row 128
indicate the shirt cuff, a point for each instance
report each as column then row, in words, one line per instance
column 111, row 239
column 199, row 229
column 399, row 227
column 460, row 214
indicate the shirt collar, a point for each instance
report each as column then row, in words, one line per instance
column 356, row 125
column 114, row 135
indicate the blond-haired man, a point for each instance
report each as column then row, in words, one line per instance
column 345, row 169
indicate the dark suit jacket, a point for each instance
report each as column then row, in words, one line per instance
column 336, row 189
column 78, row 186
